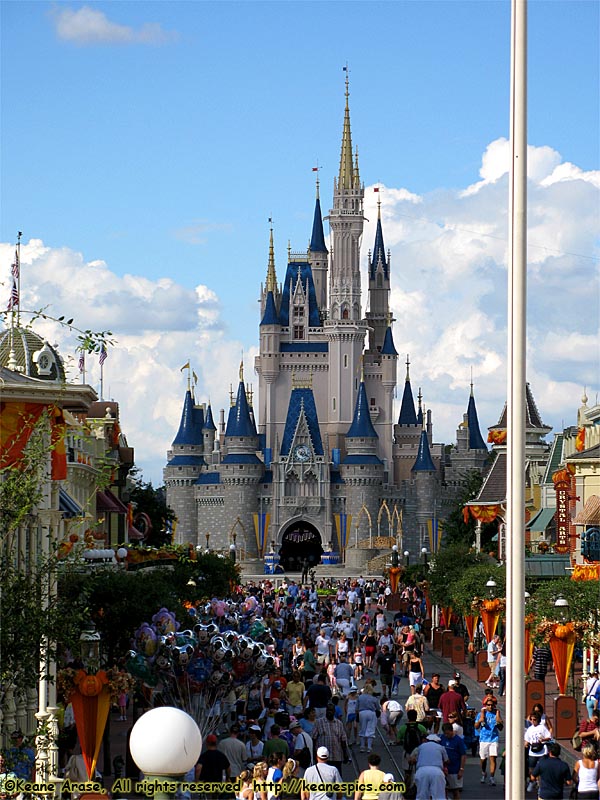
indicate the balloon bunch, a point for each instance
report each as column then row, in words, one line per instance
column 228, row 646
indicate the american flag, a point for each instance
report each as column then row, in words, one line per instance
column 14, row 268
column 103, row 355
column 81, row 361
column 13, row 301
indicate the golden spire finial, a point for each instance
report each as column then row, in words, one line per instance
column 347, row 174
column 271, row 283
column 242, row 369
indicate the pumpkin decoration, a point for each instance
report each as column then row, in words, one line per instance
column 90, row 685
column 564, row 632
column 74, row 537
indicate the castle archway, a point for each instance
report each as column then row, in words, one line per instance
column 300, row 541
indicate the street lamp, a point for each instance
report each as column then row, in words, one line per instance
column 232, row 552
column 406, row 557
column 395, row 556
column 491, row 587
column 561, row 605
column 165, row 744
column 424, row 555
column 89, row 645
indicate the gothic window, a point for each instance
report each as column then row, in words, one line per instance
column 345, row 360
column 379, row 280
column 292, row 486
column 298, row 332
column 345, row 313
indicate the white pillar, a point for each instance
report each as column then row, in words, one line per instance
column 517, row 316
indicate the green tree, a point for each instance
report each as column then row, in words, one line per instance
column 583, row 598
column 151, row 501
column 447, row 568
column 118, row 601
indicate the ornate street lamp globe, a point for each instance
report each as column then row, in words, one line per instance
column 165, row 741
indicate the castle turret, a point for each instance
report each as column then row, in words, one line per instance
column 407, row 433
column 378, row 315
column 209, row 431
column 184, row 464
column 318, row 255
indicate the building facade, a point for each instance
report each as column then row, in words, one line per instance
column 319, row 462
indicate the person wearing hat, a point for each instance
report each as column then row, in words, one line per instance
column 431, row 759
column 254, row 745
column 213, row 765
column 321, row 773
column 235, row 750
column 20, row 758
column 303, row 746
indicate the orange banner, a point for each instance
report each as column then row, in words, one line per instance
column 586, row 572
column 489, row 620
column 394, row 577
column 17, row 421
column 482, row 513
column 528, row 649
column 470, row 620
column 91, row 704
column 562, row 655
column 497, row 437
column 446, row 616
column 58, row 430
column 580, row 440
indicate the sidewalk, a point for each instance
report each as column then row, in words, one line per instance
column 434, row 660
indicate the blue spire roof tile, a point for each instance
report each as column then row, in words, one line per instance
column 476, row 441
column 302, row 269
column 379, row 252
column 239, row 422
column 317, row 240
column 270, row 316
column 388, row 348
column 188, row 433
column 407, row 408
column 302, row 399
column 424, row 462
column 209, row 424
column 362, row 425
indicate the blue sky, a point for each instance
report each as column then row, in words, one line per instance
column 145, row 145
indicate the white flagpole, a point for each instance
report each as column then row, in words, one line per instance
column 517, row 331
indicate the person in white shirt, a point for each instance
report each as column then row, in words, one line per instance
column 322, row 643
column 321, row 772
column 302, row 739
column 254, row 746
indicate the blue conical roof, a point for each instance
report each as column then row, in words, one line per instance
column 379, row 252
column 424, row 462
column 407, row 409
column 302, row 400
column 240, row 422
column 476, row 441
column 420, row 416
column 317, row 240
column 388, row 348
column 361, row 424
column 209, row 424
column 270, row 316
column 188, row 432
column 198, row 420
column 302, row 270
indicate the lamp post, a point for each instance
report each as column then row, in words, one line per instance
column 491, row 587
column 207, row 542
column 424, row 555
column 165, row 744
column 395, row 556
column 232, row 552
column 406, row 557
column 561, row 605
column 89, row 646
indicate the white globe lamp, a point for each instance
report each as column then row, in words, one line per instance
column 165, row 742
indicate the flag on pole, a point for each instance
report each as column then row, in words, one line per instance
column 195, row 377
column 185, row 366
column 14, row 268
column 13, row 300
column 103, row 355
column 315, row 169
column 376, row 188
column 81, row 361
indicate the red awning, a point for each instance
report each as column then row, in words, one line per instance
column 134, row 534
column 107, row 501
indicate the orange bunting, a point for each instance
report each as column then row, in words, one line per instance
column 489, row 620
column 470, row 620
column 497, row 437
column 58, row 431
column 586, row 572
column 580, row 440
column 562, row 647
column 483, row 513
column 394, row 577
column 17, row 421
column 91, row 704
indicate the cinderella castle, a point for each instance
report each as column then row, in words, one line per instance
column 320, row 466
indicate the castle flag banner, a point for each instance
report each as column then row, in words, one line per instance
column 342, row 527
column 261, row 530
column 435, row 535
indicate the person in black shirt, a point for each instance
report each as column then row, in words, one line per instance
column 318, row 696
column 460, row 687
column 553, row 773
column 212, row 764
column 386, row 663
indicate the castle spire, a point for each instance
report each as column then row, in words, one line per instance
column 407, row 408
column 347, row 175
column 271, row 282
column 317, row 240
column 476, row 441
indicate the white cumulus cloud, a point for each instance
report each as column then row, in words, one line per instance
column 88, row 25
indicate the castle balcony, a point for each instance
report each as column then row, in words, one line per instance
column 303, row 503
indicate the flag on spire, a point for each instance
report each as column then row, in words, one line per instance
column 185, row 366
column 13, row 300
column 81, row 361
column 103, row 354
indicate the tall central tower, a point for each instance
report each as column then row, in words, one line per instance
column 345, row 327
